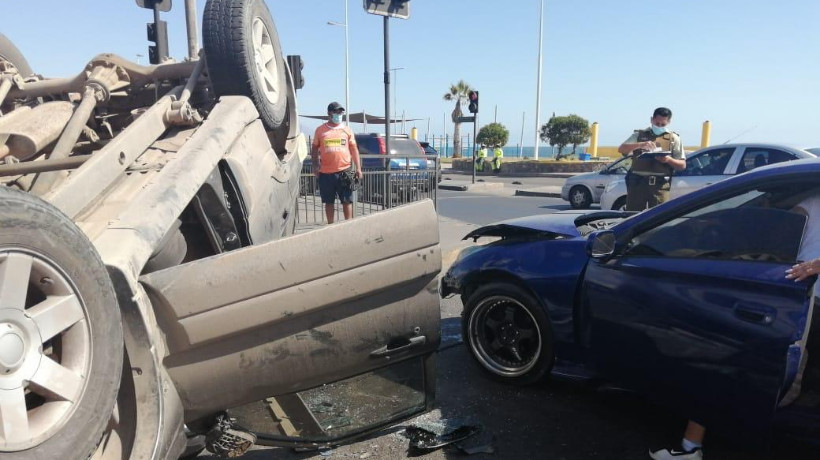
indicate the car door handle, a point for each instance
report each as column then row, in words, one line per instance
column 405, row 345
column 755, row 315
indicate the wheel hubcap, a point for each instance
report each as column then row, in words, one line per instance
column 264, row 60
column 12, row 347
column 45, row 349
column 504, row 336
column 578, row 197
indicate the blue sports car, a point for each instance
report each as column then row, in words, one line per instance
column 687, row 302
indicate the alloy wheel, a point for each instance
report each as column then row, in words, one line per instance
column 504, row 336
column 264, row 60
column 45, row 349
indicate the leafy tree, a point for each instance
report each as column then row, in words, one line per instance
column 493, row 134
column 578, row 128
column 554, row 133
column 561, row 131
column 458, row 93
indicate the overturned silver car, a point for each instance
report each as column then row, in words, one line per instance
column 153, row 297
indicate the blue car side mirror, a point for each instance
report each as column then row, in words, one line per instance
column 601, row 245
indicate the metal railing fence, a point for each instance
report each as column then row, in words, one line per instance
column 387, row 182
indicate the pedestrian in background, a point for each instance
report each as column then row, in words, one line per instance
column 336, row 162
column 657, row 152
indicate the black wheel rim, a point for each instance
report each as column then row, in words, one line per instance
column 504, row 336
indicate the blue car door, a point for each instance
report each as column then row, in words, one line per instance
column 696, row 312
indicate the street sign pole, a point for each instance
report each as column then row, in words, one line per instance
column 387, row 84
column 475, row 147
column 388, row 193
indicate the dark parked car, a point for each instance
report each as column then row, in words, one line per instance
column 410, row 176
column 687, row 302
column 401, row 147
column 429, row 150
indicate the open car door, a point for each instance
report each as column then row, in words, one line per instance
column 696, row 311
column 313, row 338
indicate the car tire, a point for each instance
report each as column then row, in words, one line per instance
column 56, row 396
column 244, row 58
column 619, row 204
column 506, row 315
column 10, row 53
column 579, row 197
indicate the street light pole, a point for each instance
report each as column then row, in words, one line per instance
column 347, row 62
column 540, row 64
column 347, row 68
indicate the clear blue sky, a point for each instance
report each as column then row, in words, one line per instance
column 740, row 63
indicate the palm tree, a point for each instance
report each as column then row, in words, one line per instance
column 459, row 93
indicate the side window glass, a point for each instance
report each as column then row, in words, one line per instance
column 724, row 231
column 756, row 157
column 709, row 163
column 621, row 167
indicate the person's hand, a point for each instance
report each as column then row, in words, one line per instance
column 648, row 146
column 359, row 174
column 803, row 270
column 316, row 172
column 662, row 159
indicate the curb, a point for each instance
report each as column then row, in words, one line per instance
column 472, row 187
column 457, row 188
column 541, row 194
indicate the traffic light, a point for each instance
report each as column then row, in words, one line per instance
column 473, row 96
column 157, row 33
column 296, row 66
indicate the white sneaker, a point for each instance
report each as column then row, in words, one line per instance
column 672, row 454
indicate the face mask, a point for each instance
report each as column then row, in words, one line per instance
column 658, row 130
column 336, row 118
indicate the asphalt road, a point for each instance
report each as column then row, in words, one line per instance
column 484, row 209
column 556, row 420
column 510, row 183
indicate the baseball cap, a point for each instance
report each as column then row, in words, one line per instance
column 335, row 107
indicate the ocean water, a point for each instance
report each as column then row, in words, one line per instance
column 545, row 151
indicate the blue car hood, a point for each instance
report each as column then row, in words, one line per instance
column 559, row 224
column 554, row 226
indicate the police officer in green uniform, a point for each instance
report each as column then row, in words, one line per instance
column 657, row 152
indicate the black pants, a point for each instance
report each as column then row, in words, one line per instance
column 644, row 192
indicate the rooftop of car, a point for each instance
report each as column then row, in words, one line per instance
column 762, row 145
